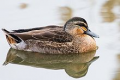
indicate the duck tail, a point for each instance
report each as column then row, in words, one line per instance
column 5, row 31
column 11, row 38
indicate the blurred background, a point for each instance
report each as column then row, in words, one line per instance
column 103, row 17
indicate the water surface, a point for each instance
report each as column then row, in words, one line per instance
column 101, row 20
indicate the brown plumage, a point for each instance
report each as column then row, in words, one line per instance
column 73, row 37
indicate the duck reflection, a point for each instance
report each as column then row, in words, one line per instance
column 66, row 13
column 75, row 65
column 107, row 11
column 117, row 73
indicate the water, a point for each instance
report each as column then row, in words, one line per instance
column 43, row 13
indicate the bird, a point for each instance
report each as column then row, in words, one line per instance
column 73, row 37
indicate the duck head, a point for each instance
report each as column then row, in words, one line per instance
column 78, row 25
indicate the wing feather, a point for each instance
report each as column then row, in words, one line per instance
column 55, row 34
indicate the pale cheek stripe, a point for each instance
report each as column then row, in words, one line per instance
column 83, row 28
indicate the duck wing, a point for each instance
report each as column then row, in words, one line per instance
column 49, row 33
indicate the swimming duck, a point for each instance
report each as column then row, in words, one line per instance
column 73, row 37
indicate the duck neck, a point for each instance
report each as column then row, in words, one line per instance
column 84, row 43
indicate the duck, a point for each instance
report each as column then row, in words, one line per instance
column 73, row 37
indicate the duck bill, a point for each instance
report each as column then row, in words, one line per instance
column 88, row 32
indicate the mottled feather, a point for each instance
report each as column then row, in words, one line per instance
column 49, row 33
column 74, row 37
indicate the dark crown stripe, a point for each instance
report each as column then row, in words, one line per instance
column 75, row 19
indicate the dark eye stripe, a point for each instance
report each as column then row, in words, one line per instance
column 81, row 24
column 76, row 21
